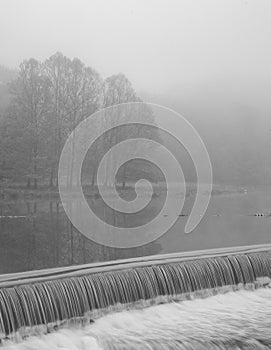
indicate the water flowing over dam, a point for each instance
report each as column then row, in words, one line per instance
column 235, row 320
column 45, row 299
column 135, row 175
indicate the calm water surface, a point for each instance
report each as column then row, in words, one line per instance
column 37, row 234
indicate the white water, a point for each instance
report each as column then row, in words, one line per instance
column 235, row 320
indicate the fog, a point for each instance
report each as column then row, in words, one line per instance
column 162, row 46
column 209, row 60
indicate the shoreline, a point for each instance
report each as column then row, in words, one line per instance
column 17, row 193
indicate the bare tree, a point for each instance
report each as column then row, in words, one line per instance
column 31, row 97
column 57, row 70
column 118, row 90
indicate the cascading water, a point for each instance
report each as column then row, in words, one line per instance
column 27, row 307
column 235, row 320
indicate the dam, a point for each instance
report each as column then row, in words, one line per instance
column 160, row 302
column 135, row 175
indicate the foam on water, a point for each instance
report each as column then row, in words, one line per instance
column 235, row 320
column 33, row 303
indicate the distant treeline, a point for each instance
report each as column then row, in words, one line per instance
column 46, row 101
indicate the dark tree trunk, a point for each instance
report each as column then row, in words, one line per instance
column 93, row 179
column 28, row 184
column 124, row 176
column 51, row 185
column 57, row 181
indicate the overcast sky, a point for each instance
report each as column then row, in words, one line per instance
column 157, row 44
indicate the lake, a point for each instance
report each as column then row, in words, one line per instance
column 36, row 234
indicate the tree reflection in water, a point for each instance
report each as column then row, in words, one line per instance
column 37, row 235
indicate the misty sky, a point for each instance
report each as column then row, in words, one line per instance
column 157, row 44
